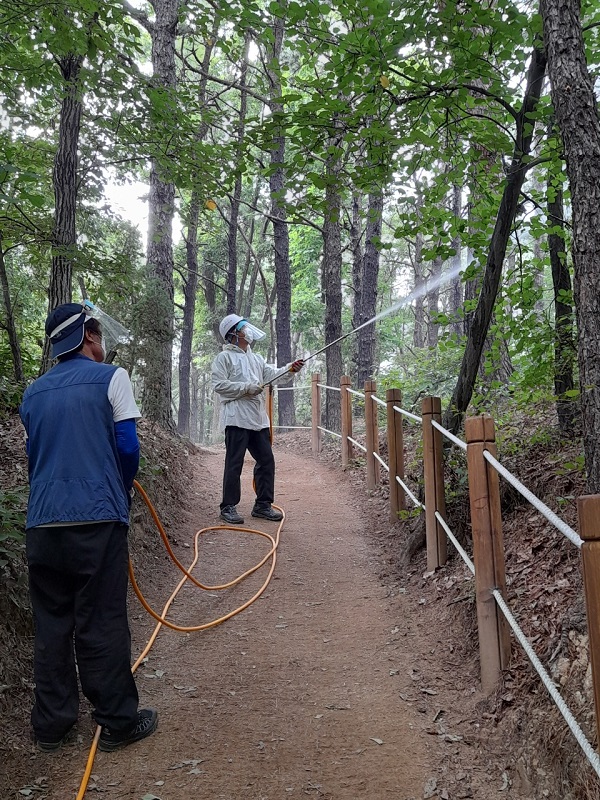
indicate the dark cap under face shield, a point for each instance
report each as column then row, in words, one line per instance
column 65, row 328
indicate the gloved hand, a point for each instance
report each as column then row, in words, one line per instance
column 253, row 389
column 297, row 365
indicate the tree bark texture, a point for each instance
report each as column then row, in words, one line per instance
column 433, row 304
column 576, row 115
column 10, row 326
column 161, row 209
column 456, row 287
column 332, row 279
column 281, row 242
column 368, row 293
column 357, row 259
column 478, row 330
column 232, row 232
column 419, row 269
column 567, row 408
column 190, row 288
column 246, row 295
column 484, row 164
column 190, row 284
column 64, row 179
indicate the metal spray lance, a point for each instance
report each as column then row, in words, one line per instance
column 421, row 290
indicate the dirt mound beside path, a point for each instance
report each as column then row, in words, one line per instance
column 322, row 688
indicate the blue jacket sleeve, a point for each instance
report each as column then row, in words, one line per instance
column 128, row 448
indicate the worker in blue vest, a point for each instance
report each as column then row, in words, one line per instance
column 80, row 421
column 238, row 377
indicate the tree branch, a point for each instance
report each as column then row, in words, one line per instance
column 138, row 15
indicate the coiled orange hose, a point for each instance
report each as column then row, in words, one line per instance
column 160, row 618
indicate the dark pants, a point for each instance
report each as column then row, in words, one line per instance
column 258, row 443
column 78, row 584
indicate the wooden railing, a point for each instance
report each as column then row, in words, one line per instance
column 486, row 520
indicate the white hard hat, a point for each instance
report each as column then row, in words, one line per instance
column 227, row 324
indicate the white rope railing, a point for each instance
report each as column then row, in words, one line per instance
column 567, row 715
column 558, row 523
column 592, row 756
column 579, row 735
column 291, row 388
column 461, row 551
column 381, row 461
column 332, row 388
column 448, row 435
column 407, row 414
column 326, row 430
column 358, row 444
column 295, row 427
column 409, row 493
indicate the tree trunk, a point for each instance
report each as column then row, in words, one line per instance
column 433, row 301
column 246, row 293
column 232, row 254
column 456, row 287
column 332, row 279
column 11, row 329
column 190, row 284
column 357, row 265
column 196, row 415
column 495, row 258
column 283, row 281
column 368, row 293
column 418, row 267
column 64, row 178
column 161, row 209
column 190, row 287
column 567, row 408
column 576, row 114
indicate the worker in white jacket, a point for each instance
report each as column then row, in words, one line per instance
column 238, row 377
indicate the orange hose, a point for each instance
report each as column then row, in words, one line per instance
column 161, row 620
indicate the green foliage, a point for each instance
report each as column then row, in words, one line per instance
column 423, row 373
column 13, row 504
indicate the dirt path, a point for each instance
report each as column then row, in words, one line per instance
column 314, row 691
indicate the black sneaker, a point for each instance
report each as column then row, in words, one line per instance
column 113, row 740
column 230, row 514
column 267, row 512
column 50, row 745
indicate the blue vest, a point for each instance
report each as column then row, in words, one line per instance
column 74, row 468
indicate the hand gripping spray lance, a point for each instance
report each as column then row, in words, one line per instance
column 317, row 352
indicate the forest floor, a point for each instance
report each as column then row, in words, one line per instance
column 354, row 675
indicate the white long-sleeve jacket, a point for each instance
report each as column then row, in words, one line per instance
column 233, row 372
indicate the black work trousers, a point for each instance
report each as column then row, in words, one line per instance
column 78, row 584
column 258, row 443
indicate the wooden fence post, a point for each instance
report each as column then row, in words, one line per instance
column 395, row 439
column 433, row 467
column 588, row 509
column 371, row 435
column 316, row 414
column 346, row 409
column 488, row 550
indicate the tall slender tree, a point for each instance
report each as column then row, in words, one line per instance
column 576, row 112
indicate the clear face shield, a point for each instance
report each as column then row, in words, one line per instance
column 250, row 332
column 113, row 333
